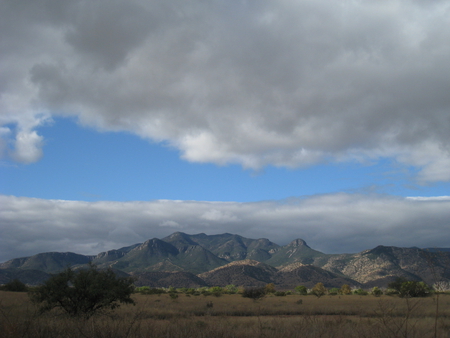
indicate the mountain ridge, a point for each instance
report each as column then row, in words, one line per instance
column 214, row 259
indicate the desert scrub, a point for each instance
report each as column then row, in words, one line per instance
column 234, row 316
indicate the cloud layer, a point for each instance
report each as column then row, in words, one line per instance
column 286, row 83
column 330, row 223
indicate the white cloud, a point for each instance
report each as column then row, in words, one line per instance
column 333, row 223
column 219, row 216
column 431, row 198
column 170, row 224
column 269, row 82
column 28, row 147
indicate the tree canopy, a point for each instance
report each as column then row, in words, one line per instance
column 84, row 292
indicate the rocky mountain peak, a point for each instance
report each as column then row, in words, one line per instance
column 298, row 243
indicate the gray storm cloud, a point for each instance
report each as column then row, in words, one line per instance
column 334, row 223
column 285, row 83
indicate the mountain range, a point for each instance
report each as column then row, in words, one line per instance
column 183, row 260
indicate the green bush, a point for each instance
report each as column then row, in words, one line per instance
column 376, row 291
column 83, row 293
column 301, row 290
column 145, row 290
column 397, row 284
column 333, row 291
column 391, row 292
column 280, row 293
column 414, row 289
column 231, row 289
column 406, row 288
column 216, row 291
column 360, row 292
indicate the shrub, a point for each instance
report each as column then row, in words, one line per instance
column 376, row 291
column 254, row 293
column 145, row 290
column 15, row 285
column 345, row 290
column 414, row 289
column 397, row 284
column 301, row 290
column 269, row 288
column 407, row 288
column 333, row 291
column 318, row 290
column 280, row 293
column 231, row 289
column 142, row 289
column 441, row 286
column 391, row 292
column 360, row 292
column 83, row 293
column 216, row 291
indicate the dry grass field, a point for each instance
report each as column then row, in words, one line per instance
column 235, row 316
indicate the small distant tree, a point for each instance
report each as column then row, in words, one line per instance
column 319, row 290
column 345, row 290
column 414, row 289
column 376, row 291
column 83, row 293
column 269, row 288
column 441, row 286
column 396, row 285
column 301, row 290
column 15, row 285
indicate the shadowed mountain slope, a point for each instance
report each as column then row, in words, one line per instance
column 49, row 262
column 175, row 254
column 234, row 247
column 113, row 255
column 29, row 277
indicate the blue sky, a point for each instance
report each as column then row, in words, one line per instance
column 85, row 164
column 327, row 121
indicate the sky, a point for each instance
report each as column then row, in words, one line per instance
column 322, row 120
